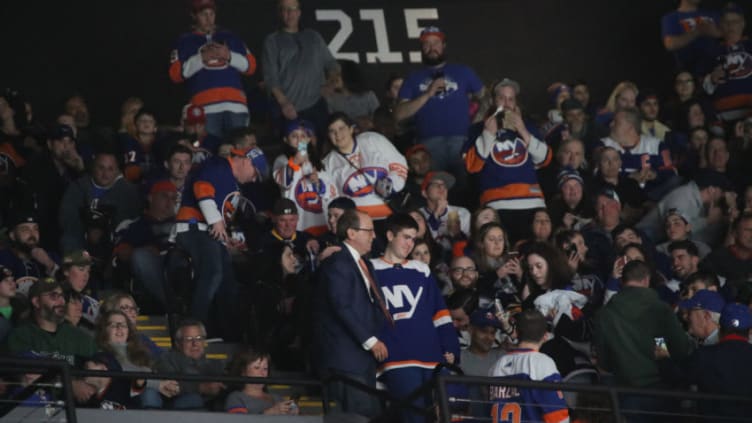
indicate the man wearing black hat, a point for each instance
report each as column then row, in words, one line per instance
column 47, row 176
column 46, row 332
column 48, row 335
column 285, row 221
column 24, row 257
column 699, row 200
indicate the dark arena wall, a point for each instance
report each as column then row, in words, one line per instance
column 110, row 50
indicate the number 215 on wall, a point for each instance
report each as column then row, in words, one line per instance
column 383, row 53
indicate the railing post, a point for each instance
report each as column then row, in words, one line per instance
column 70, row 402
column 615, row 403
column 444, row 411
column 325, row 394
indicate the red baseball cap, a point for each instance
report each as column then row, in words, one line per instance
column 199, row 5
column 195, row 114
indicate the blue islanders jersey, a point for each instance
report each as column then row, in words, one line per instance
column 506, row 169
column 732, row 99
column 215, row 186
column 514, row 405
column 215, row 88
column 423, row 329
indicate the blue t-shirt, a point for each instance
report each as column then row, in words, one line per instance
column 691, row 57
column 447, row 113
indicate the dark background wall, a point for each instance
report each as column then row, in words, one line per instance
column 109, row 50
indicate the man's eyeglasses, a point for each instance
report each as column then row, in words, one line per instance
column 191, row 339
column 364, row 229
column 468, row 270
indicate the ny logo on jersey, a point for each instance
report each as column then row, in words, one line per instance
column 307, row 196
column 360, row 183
column 509, row 152
column 738, row 65
column 397, row 296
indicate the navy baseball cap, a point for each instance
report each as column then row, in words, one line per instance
column 571, row 104
column 736, row 316
column 60, row 131
column 299, row 124
column 704, row 299
column 483, row 318
column 258, row 158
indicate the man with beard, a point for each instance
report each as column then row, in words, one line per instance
column 24, row 257
column 46, row 333
column 439, row 98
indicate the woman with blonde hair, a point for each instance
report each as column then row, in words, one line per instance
column 624, row 95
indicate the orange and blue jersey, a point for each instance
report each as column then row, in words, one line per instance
column 513, row 404
column 423, row 329
column 214, row 192
column 732, row 99
column 215, row 88
column 506, row 169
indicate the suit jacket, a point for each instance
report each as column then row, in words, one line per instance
column 344, row 316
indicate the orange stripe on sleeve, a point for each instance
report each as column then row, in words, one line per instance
column 473, row 162
column 441, row 313
column 556, row 416
column 203, row 190
column 546, row 161
column 187, row 213
column 251, row 64
column 176, row 72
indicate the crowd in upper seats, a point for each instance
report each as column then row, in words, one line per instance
column 625, row 221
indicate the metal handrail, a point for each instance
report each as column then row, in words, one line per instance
column 612, row 390
column 67, row 374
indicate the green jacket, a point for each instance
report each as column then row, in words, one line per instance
column 65, row 344
column 625, row 332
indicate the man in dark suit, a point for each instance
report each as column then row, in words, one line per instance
column 348, row 313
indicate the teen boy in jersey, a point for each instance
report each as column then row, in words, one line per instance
column 421, row 334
